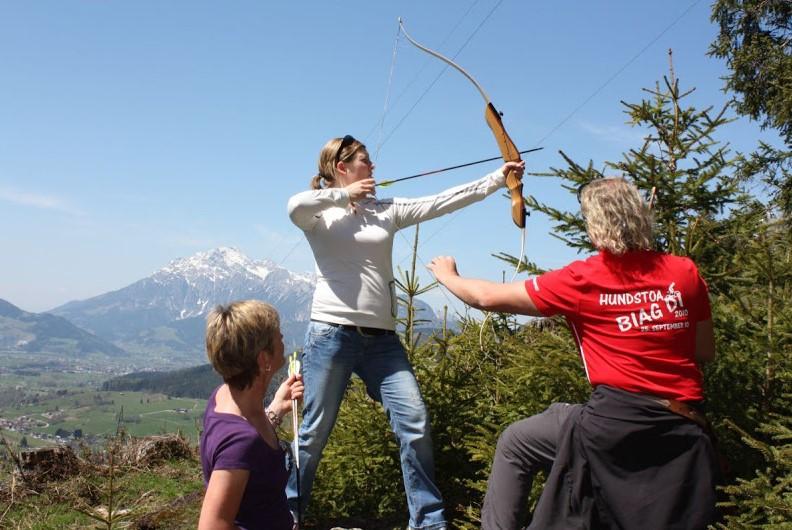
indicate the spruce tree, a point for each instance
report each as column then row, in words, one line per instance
column 707, row 207
column 741, row 244
column 754, row 39
column 681, row 166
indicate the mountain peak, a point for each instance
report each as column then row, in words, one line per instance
column 230, row 255
column 165, row 312
column 217, row 263
column 163, row 315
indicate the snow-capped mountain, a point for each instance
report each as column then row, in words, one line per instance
column 164, row 314
column 225, row 274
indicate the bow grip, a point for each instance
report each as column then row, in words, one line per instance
column 517, row 202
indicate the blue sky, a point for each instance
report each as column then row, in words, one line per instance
column 134, row 133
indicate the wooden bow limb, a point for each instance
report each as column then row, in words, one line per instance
column 509, row 151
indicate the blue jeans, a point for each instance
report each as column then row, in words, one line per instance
column 330, row 356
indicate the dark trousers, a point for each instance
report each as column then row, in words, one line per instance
column 525, row 447
column 621, row 461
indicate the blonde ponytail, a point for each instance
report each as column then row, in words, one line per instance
column 316, row 182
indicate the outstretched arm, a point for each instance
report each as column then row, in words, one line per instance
column 483, row 294
column 408, row 212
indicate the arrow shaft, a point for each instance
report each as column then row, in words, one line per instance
column 389, row 182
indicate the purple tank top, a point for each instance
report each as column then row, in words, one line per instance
column 230, row 442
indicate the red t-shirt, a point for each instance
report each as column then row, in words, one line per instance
column 633, row 317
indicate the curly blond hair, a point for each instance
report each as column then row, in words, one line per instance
column 235, row 334
column 617, row 217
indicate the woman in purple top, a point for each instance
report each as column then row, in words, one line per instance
column 243, row 464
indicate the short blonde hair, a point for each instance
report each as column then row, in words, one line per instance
column 235, row 334
column 330, row 156
column 617, row 217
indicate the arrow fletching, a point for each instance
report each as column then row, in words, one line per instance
column 294, row 364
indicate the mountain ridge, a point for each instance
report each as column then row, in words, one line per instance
column 162, row 316
column 21, row 331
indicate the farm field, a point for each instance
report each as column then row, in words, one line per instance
column 92, row 414
column 48, row 400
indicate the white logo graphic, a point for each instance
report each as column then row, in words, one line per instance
column 673, row 298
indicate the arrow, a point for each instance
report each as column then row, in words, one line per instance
column 386, row 183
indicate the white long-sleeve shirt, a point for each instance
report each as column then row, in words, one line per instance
column 353, row 246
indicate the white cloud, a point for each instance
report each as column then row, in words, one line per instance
column 618, row 134
column 35, row 200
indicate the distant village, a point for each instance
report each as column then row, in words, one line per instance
column 30, row 426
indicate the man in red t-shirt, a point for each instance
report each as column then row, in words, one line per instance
column 641, row 320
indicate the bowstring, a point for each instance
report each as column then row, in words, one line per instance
column 387, row 94
column 417, row 75
column 401, row 121
column 487, row 314
column 446, row 66
column 380, row 144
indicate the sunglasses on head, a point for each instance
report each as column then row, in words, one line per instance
column 346, row 141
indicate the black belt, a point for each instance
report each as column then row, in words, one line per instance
column 360, row 329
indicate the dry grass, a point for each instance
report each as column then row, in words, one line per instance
column 131, row 483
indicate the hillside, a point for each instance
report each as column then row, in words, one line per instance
column 154, row 483
column 21, row 331
column 196, row 382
